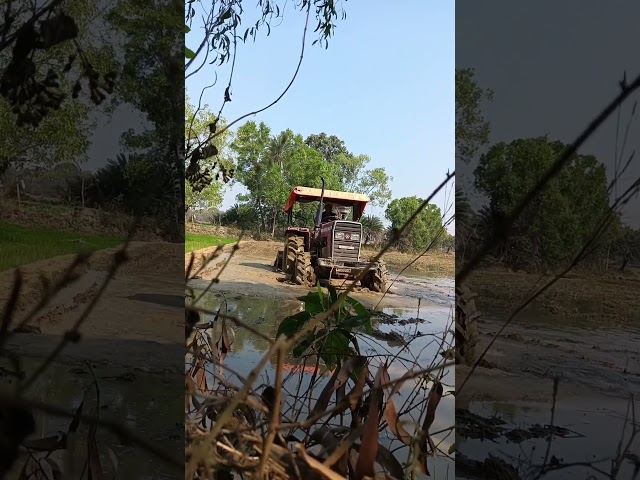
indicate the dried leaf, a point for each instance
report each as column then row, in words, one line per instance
column 56, row 473
column 199, row 375
column 225, row 343
column 400, row 382
column 435, row 395
column 75, row 422
column 47, row 444
column 317, row 466
column 369, row 445
column 389, row 462
column 355, row 395
column 325, row 396
column 391, row 416
column 434, row 399
column 114, row 459
column 338, row 379
column 95, row 469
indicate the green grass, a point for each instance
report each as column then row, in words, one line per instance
column 21, row 245
column 195, row 241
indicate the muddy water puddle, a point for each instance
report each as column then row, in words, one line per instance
column 131, row 399
column 597, row 366
column 440, row 291
column 414, row 342
column 586, row 437
column 600, row 356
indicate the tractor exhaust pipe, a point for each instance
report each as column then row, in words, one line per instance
column 321, row 206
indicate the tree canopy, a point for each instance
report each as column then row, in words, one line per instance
column 472, row 130
column 270, row 165
column 196, row 125
column 43, row 118
column 557, row 223
column 423, row 230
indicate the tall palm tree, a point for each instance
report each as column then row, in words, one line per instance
column 373, row 229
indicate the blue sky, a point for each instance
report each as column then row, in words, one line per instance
column 554, row 83
column 385, row 86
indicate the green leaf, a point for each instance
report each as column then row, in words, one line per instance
column 452, row 448
column 320, row 292
column 302, row 347
column 361, row 313
column 360, row 309
column 336, row 346
column 355, row 322
column 293, row 324
column 186, row 29
column 313, row 303
column 188, row 53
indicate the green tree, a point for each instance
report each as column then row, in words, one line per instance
column 53, row 127
column 270, row 166
column 354, row 176
column 223, row 24
column 151, row 30
column 559, row 222
column 196, row 125
column 329, row 146
column 422, row 231
column 472, row 130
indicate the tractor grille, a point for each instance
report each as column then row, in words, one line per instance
column 346, row 248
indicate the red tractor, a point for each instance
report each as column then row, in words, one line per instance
column 331, row 250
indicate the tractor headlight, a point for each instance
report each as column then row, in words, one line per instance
column 355, row 237
column 339, row 236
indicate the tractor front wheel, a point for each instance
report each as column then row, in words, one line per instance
column 376, row 279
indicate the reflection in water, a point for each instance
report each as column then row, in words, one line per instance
column 264, row 315
column 592, row 430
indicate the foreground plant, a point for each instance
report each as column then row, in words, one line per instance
column 335, row 435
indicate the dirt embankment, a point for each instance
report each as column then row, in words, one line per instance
column 88, row 221
column 607, row 297
column 142, row 304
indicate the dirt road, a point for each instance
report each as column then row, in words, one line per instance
column 144, row 304
column 140, row 304
column 249, row 271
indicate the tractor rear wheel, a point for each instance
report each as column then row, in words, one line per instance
column 304, row 272
column 467, row 334
column 377, row 278
column 295, row 244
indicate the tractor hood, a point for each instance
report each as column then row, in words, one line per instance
column 343, row 199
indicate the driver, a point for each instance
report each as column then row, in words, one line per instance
column 328, row 214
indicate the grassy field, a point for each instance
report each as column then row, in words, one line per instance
column 23, row 245
column 195, row 241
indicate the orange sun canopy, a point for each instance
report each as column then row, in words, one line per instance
column 357, row 201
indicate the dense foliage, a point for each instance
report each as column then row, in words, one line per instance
column 423, row 231
column 269, row 166
column 559, row 223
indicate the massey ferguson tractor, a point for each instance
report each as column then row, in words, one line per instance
column 331, row 250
